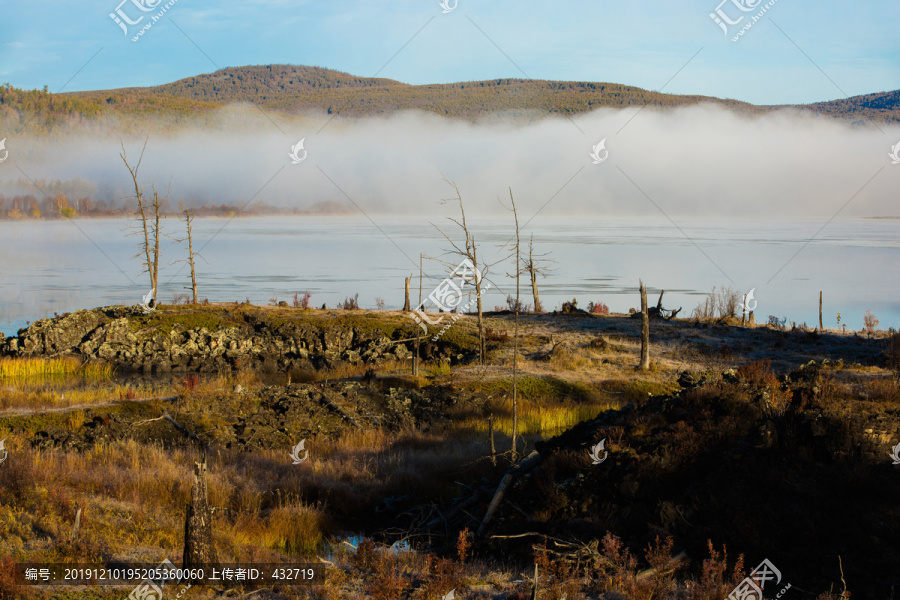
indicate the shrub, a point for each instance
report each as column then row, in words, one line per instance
column 870, row 321
column 599, row 308
column 494, row 335
column 718, row 304
column 350, row 303
column 302, row 301
column 8, row 588
column 512, row 305
column 379, row 302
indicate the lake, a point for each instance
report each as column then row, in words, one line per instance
column 61, row 266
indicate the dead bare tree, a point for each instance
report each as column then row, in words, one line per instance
column 188, row 220
column 155, row 233
column 534, row 268
column 147, row 209
column 518, row 272
column 139, row 195
column 468, row 251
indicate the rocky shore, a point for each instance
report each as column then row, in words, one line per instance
column 222, row 338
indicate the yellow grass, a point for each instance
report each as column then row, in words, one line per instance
column 14, row 370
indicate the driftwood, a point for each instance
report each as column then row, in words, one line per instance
column 658, row 312
column 329, row 403
column 526, row 464
column 673, row 563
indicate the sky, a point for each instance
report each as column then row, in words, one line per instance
column 796, row 52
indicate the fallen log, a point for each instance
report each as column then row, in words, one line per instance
column 673, row 563
column 526, row 464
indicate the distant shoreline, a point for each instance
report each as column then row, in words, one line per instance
column 199, row 215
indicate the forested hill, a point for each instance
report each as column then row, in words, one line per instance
column 295, row 89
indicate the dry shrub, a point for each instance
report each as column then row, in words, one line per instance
column 658, row 554
column 350, row 303
column 495, row 335
column 8, row 588
column 598, row 308
column 294, row 529
column 758, row 373
column 389, row 581
column 302, row 301
column 559, row 577
column 870, row 322
column 714, row 583
column 617, row 570
column 366, row 556
column 441, row 576
column 718, row 304
column 882, row 390
column 463, row 544
column 19, row 478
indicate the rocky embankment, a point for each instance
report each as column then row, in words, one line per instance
column 222, row 338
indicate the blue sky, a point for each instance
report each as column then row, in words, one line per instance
column 798, row 52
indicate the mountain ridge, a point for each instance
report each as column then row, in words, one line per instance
column 293, row 89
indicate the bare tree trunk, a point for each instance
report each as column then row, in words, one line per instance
column 743, row 310
column 188, row 218
column 469, row 251
column 156, row 234
column 199, row 548
column 645, row 331
column 493, row 447
column 481, row 348
column 515, row 427
column 534, row 289
column 820, row 310
column 139, row 196
column 406, row 301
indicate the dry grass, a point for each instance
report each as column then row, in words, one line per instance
column 24, row 370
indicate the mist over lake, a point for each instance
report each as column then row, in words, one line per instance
column 54, row 266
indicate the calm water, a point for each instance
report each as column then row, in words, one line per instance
column 60, row 266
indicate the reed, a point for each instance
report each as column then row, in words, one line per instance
column 14, row 370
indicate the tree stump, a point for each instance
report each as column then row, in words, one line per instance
column 406, row 301
column 198, row 539
column 645, row 330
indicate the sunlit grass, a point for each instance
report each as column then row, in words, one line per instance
column 18, row 370
column 43, row 395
